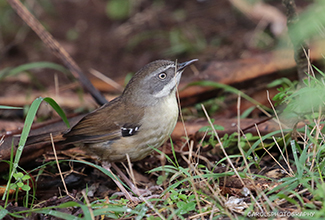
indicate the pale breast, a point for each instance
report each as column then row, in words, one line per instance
column 156, row 127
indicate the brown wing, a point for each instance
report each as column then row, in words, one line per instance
column 104, row 124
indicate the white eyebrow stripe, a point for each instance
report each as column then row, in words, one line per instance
column 163, row 68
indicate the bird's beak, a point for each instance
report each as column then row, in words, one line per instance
column 182, row 66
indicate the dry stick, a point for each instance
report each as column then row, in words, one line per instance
column 283, row 138
column 310, row 69
column 199, row 157
column 318, row 133
column 88, row 204
column 56, row 85
column 2, row 139
column 131, row 174
column 299, row 47
column 285, row 160
column 56, row 49
column 180, row 112
column 203, row 214
column 58, row 165
column 228, row 159
column 106, row 79
column 238, row 132
column 253, row 125
column 192, row 180
column 259, row 134
column 280, row 125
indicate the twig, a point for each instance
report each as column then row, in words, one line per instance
column 58, row 165
column 280, row 125
column 88, row 204
column 106, row 79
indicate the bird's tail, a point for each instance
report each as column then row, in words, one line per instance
column 45, row 138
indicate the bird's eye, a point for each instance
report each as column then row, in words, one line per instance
column 162, row 75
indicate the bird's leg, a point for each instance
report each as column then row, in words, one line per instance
column 107, row 166
column 136, row 190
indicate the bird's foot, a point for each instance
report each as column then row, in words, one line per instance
column 140, row 194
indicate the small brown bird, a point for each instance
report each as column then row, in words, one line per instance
column 141, row 119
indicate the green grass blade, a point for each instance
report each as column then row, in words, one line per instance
column 173, row 151
column 26, row 129
column 295, row 156
column 60, row 215
column 112, row 208
column 29, row 66
column 27, row 125
column 167, row 157
column 9, row 107
column 166, row 168
column 58, row 109
column 101, row 169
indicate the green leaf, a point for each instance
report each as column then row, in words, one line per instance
column 185, row 207
column 25, row 187
column 183, row 197
column 161, row 179
column 26, row 177
column 13, row 186
column 174, row 195
column 20, row 184
column 18, row 175
column 118, row 9
column 3, row 212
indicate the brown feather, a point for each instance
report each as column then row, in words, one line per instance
column 45, row 138
column 104, row 124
